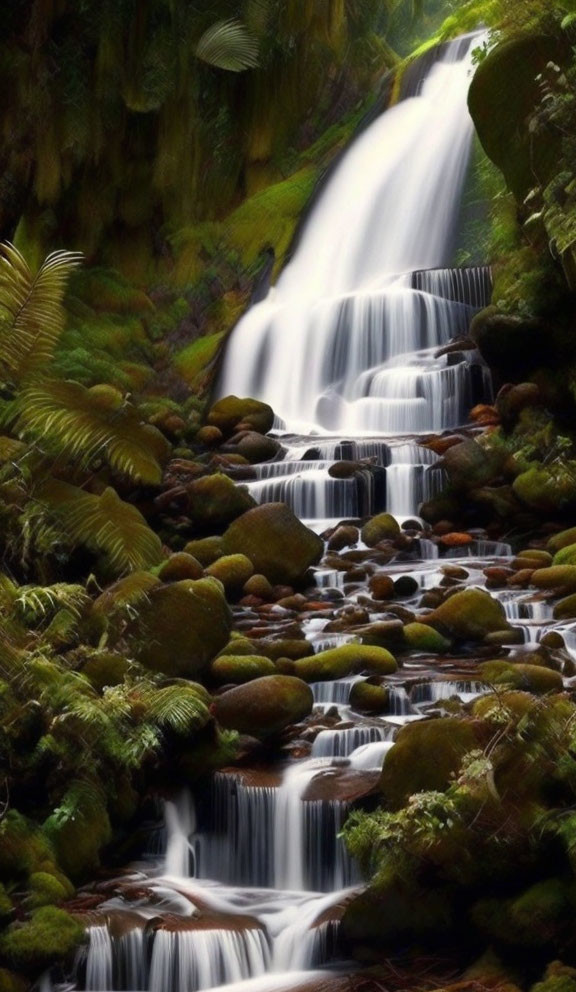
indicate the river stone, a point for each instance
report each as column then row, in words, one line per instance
column 230, row 411
column 380, row 528
column 265, row 706
column 181, row 627
column 382, row 586
column 469, row 615
column 566, row 555
column 565, row 609
column 421, row 637
column 337, row 663
column 425, row 757
column 215, row 501
column 562, row 540
column 229, row 668
column 285, row 648
column 557, row 577
column 276, row 542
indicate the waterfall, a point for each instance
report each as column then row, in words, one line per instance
column 346, row 340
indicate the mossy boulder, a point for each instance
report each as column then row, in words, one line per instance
column 380, row 528
column 46, row 889
column 182, row 627
column 510, row 344
column 214, row 501
column 232, row 571
column 366, row 697
column 558, row 977
column 566, row 556
column 425, row 757
column 470, row 465
column 47, row 938
column 420, row 637
column 180, row 566
column 530, row 678
column 78, row 839
column 337, row 663
column 285, row 648
column 276, row 542
column 557, row 577
column 469, row 615
column 397, row 913
column 565, row 609
column 230, row 411
column 540, row 917
column 206, row 549
column 264, row 707
column 562, row 540
column 229, row 668
column 257, row 448
column 547, row 490
column 106, row 668
column 23, row 847
column 239, row 645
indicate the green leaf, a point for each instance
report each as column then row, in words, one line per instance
column 228, row 45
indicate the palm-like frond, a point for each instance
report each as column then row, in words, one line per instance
column 181, row 708
column 35, row 604
column 228, row 45
column 31, row 312
column 74, row 420
column 104, row 524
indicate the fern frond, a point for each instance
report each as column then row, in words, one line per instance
column 104, row 524
column 35, row 604
column 126, row 595
column 228, row 45
column 31, row 313
column 75, row 421
column 181, row 708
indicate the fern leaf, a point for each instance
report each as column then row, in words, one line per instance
column 35, row 604
column 79, row 425
column 228, row 45
column 31, row 313
column 182, row 708
column 104, row 524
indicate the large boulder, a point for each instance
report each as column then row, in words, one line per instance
column 469, row 615
column 547, row 490
column 425, row 757
column 206, row 549
column 512, row 345
column 233, row 571
column 470, row 465
column 229, row 669
column 337, row 663
column 528, row 678
column 276, row 542
column 230, row 411
column 215, row 501
column 425, row 639
column 265, row 706
column 380, row 528
column 181, row 627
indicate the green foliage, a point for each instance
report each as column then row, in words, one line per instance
column 49, row 935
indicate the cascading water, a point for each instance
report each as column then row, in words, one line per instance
column 344, row 346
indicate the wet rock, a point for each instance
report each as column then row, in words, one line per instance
column 424, row 639
column 345, row 469
column 455, row 572
column 566, row 555
column 565, row 609
column 497, row 576
column 276, row 542
column 258, row 585
column 343, row 537
column 285, row 648
column 562, row 540
column 206, row 550
column 469, row 465
column 180, row 566
column 337, row 663
column 383, row 633
column 345, row 785
column 469, row 615
column 456, row 540
column 505, row 638
column 560, row 578
column 511, row 400
column 237, row 669
column 406, row 586
column 366, row 697
column 264, row 707
column 379, row 529
column 382, row 586
column 231, row 411
column 257, row 448
column 210, row 436
column 521, row 579
column 181, row 627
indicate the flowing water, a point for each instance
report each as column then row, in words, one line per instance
column 344, row 348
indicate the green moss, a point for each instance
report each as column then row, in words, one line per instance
column 233, row 571
column 530, row 678
column 425, row 757
column 46, row 889
column 380, row 528
column 566, row 556
column 49, row 936
column 337, row 663
column 240, row 668
column 421, row 637
column 195, row 361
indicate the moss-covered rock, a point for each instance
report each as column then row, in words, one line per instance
column 229, row 668
column 337, row 663
column 48, row 937
column 206, row 549
column 182, row 627
column 180, row 566
column 256, row 448
column 566, row 555
column 233, row 571
column 276, row 542
column 239, row 645
column 530, row 678
column 46, row 889
column 421, row 637
column 366, row 697
column 23, row 847
column 260, row 586
column 565, row 609
column 562, row 540
column 265, row 706
column 558, row 977
column 78, row 837
column 230, row 411
column 106, row 668
column 214, row 501
column 557, row 577
column 397, row 913
column 285, row 648
column 470, row 465
column 538, row 917
column 546, row 490
column 380, row 528
column 469, row 615
column 425, row 757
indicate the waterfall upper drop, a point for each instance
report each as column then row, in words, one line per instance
column 345, row 342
